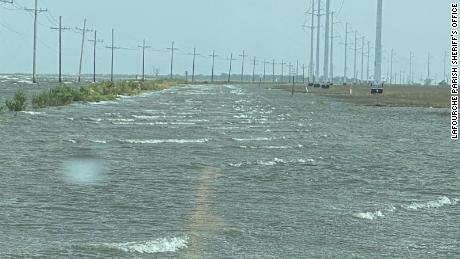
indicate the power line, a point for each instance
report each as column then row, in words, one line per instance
column 60, row 29
column 36, row 12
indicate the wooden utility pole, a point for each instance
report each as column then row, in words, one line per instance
column 362, row 59
column 193, row 65
column 265, row 70
column 213, row 59
column 230, row 68
column 112, row 49
column 368, row 58
column 242, row 65
column 95, row 41
column 273, row 70
column 355, row 75
column 290, row 70
column 282, row 70
column 172, row 59
column 303, row 73
column 60, row 29
column 34, row 65
column 391, row 67
column 254, row 70
column 84, row 30
column 144, row 47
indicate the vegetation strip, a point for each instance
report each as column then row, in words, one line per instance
column 104, row 91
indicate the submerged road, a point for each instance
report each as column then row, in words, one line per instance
column 228, row 171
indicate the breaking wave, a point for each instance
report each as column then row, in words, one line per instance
column 160, row 141
column 160, row 245
column 440, row 202
column 369, row 215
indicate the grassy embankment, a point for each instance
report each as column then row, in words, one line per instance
column 104, row 91
column 393, row 96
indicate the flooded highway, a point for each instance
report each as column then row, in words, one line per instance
column 227, row 171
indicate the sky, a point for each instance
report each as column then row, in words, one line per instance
column 267, row 29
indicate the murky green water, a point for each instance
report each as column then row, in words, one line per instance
column 227, row 172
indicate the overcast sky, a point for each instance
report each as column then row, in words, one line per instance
column 264, row 28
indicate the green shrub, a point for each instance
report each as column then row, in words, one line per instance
column 18, row 103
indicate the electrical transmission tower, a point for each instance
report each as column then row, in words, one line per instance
column 60, row 29
column 83, row 30
column 326, row 45
column 95, row 41
column 331, row 69
column 378, row 45
column 36, row 12
column 345, row 68
column 143, row 47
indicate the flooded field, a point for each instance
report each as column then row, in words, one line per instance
column 227, row 171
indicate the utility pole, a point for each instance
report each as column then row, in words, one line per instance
column 378, row 45
column 143, row 58
column 95, row 41
column 172, row 59
column 254, row 70
column 213, row 59
column 112, row 49
column 368, row 58
column 230, row 69
column 355, row 76
column 242, row 65
column 60, row 29
column 345, row 68
column 84, row 30
column 36, row 12
column 297, row 70
column 265, row 69
column 303, row 73
column 410, row 68
column 362, row 59
column 193, row 65
column 326, row 45
column 391, row 67
column 282, row 70
column 273, row 71
column 290, row 70
column 428, row 77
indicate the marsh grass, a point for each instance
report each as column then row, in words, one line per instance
column 18, row 103
column 393, row 96
column 104, row 91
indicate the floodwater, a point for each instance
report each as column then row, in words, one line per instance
column 227, row 171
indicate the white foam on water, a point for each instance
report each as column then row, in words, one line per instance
column 440, row 202
column 72, row 141
column 253, row 139
column 369, row 215
column 33, row 113
column 120, row 120
column 160, row 245
column 160, row 141
column 98, row 141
